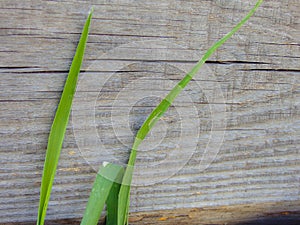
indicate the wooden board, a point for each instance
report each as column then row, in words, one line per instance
column 251, row 214
column 231, row 138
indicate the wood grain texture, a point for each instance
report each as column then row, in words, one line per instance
column 148, row 45
column 251, row 214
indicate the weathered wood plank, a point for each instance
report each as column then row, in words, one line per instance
column 250, row 214
column 150, row 43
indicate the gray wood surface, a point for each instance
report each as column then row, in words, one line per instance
column 238, row 119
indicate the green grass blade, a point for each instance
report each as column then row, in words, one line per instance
column 107, row 176
column 59, row 125
column 112, row 201
column 124, row 194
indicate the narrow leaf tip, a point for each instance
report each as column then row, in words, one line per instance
column 91, row 10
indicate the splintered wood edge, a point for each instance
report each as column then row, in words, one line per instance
column 265, row 213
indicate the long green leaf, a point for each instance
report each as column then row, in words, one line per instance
column 109, row 175
column 124, row 194
column 59, row 125
column 112, row 201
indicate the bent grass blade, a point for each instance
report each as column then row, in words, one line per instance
column 59, row 125
column 124, row 194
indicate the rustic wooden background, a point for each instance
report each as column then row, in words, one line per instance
column 257, row 72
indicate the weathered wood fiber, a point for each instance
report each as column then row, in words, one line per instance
column 148, row 45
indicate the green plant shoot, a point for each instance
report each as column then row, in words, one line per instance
column 124, row 195
column 105, row 190
column 59, row 125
